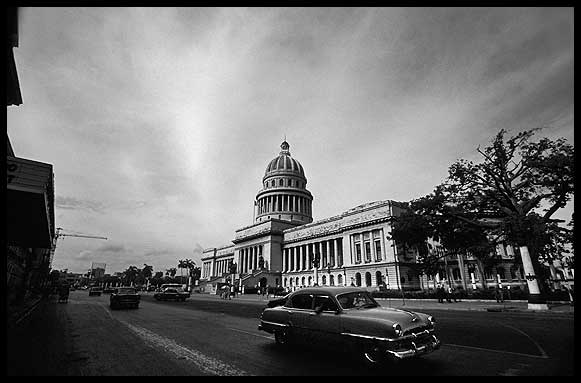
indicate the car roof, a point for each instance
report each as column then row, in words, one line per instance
column 328, row 290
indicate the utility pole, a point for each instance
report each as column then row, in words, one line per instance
column 60, row 235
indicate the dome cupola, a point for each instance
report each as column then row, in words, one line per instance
column 284, row 194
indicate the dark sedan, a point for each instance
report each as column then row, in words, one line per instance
column 172, row 294
column 348, row 318
column 124, row 297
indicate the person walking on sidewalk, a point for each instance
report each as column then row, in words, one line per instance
column 440, row 293
column 498, row 294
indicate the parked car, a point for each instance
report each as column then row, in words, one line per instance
column 124, row 296
column 172, row 293
column 109, row 290
column 95, row 291
column 348, row 318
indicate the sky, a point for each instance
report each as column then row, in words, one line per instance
column 160, row 122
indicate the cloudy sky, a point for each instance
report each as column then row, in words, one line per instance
column 160, row 122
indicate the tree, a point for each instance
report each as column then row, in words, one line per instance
column 430, row 217
column 193, row 271
column 171, row 272
column 130, row 275
column 514, row 192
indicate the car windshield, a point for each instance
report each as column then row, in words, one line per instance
column 357, row 300
column 125, row 290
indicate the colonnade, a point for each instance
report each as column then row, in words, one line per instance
column 248, row 258
column 299, row 258
column 284, row 202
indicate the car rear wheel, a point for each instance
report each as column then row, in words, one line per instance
column 281, row 337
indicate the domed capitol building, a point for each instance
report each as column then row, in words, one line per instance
column 283, row 245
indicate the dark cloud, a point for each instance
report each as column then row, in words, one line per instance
column 112, row 249
column 72, row 203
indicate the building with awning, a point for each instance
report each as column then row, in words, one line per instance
column 30, row 203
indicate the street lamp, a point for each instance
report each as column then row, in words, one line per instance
column 344, row 276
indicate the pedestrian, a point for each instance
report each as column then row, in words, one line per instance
column 440, row 293
column 267, row 291
column 498, row 294
column 453, row 294
column 449, row 295
column 231, row 292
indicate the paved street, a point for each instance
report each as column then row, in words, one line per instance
column 209, row 336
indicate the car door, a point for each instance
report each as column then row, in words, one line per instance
column 325, row 321
column 300, row 307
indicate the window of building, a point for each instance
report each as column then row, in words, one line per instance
column 324, row 280
column 488, row 273
column 368, row 279
column 378, row 278
column 303, row 281
column 377, row 250
column 339, row 279
column 310, row 281
column 358, row 279
column 456, row 274
column 357, row 253
column 367, row 251
column 331, row 280
column 280, row 182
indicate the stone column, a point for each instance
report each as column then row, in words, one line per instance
column 297, row 256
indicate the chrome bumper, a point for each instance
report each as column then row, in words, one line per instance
column 433, row 344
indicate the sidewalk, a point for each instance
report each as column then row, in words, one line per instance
column 564, row 308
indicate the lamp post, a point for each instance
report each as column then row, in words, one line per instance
column 344, row 276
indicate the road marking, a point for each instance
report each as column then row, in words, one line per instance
column 205, row 363
column 251, row 333
column 543, row 353
column 497, row 351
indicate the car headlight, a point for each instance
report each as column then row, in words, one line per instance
column 431, row 321
column 397, row 329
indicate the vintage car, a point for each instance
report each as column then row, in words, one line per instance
column 172, row 294
column 124, row 297
column 348, row 318
column 95, row 291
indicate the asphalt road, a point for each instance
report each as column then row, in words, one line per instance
column 208, row 336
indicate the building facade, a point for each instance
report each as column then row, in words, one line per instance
column 282, row 246
column 29, row 203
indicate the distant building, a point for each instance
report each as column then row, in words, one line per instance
column 97, row 270
column 283, row 244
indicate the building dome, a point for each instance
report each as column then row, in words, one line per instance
column 284, row 194
column 284, row 163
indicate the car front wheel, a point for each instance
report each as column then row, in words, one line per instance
column 281, row 337
column 373, row 356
